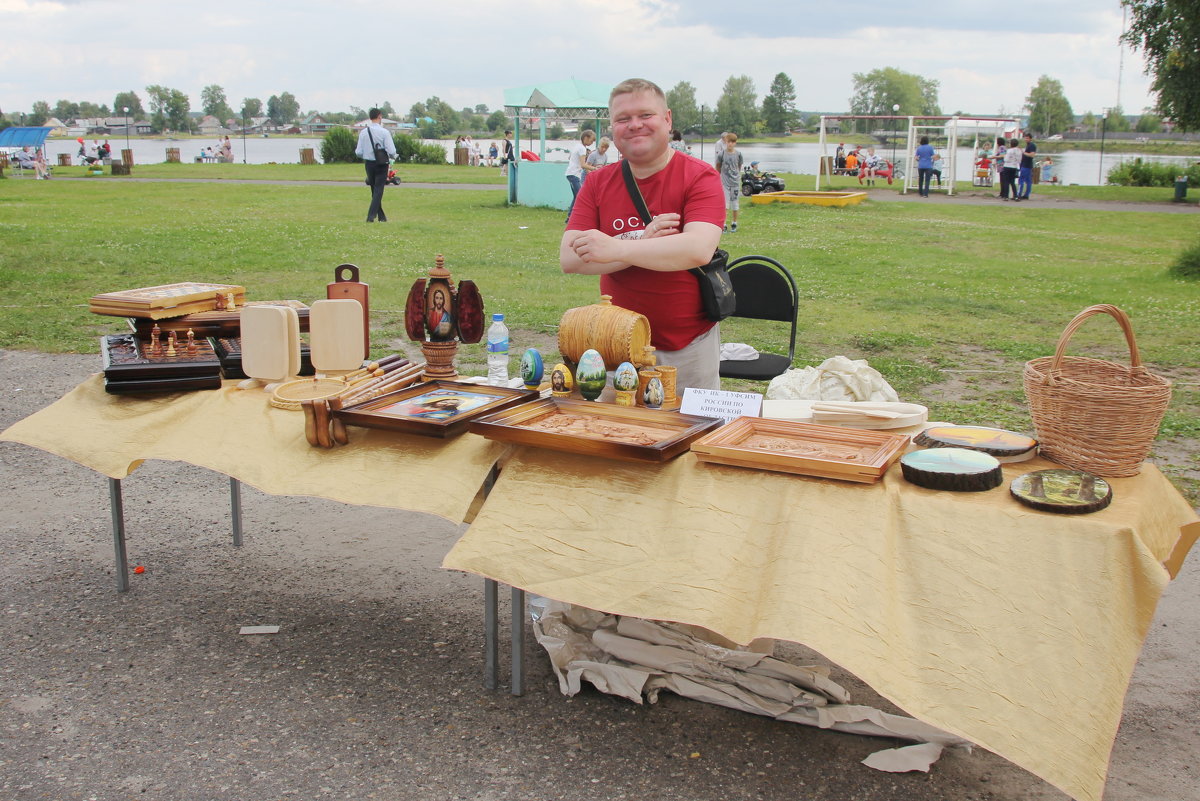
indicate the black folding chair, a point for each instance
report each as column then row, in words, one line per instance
column 765, row 291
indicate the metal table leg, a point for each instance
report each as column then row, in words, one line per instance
column 491, row 634
column 118, row 526
column 518, row 641
column 235, row 509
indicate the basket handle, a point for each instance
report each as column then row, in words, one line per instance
column 1135, row 359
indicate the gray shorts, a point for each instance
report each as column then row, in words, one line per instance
column 733, row 194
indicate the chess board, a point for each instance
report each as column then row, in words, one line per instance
column 131, row 365
column 215, row 323
column 169, row 300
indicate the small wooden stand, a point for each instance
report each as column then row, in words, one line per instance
column 439, row 360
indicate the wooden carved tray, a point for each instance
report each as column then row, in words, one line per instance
column 169, row 300
column 802, row 448
column 434, row 408
column 215, row 323
column 597, row 429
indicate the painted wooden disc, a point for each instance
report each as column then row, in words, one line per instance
column 1006, row 445
column 956, row 469
column 1071, row 492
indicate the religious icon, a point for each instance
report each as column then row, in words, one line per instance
column 438, row 319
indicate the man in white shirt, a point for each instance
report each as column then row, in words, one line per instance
column 372, row 136
column 575, row 168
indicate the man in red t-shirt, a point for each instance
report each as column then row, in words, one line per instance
column 644, row 267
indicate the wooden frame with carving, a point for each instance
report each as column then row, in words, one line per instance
column 433, row 408
column 596, row 429
column 802, row 448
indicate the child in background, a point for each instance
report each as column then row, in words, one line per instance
column 729, row 166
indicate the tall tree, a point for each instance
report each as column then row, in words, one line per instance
column 66, row 110
column 251, row 107
column 497, row 121
column 1089, row 122
column 877, row 91
column 1115, row 120
column 681, row 99
column 39, row 113
column 89, row 109
column 1049, row 110
column 282, row 109
column 169, row 109
column 737, row 108
column 436, row 118
column 1148, row 123
column 131, row 101
column 779, row 106
column 213, row 101
column 1168, row 34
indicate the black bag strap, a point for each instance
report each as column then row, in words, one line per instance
column 635, row 193
column 371, row 137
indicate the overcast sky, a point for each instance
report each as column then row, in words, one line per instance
column 332, row 55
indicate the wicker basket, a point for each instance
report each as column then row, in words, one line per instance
column 1095, row 415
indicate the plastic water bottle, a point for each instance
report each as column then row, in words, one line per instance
column 497, row 351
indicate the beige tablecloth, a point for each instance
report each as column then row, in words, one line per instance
column 240, row 434
column 1013, row 628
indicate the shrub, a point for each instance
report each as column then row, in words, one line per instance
column 1188, row 264
column 410, row 150
column 1149, row 173
column 338, row 146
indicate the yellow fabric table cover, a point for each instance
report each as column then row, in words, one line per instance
column 238, row 433
column 1013, row 628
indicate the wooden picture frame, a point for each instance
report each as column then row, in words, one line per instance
column 426, row 408
column 803, row 449
column 652, row 435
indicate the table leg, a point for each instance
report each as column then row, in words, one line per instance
column 235, row 510
column 518, row 641
column 118, row 527
column 491, row 633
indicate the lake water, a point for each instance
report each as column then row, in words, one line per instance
column 1072, row 167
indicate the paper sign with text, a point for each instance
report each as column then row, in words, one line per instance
column 719, row 403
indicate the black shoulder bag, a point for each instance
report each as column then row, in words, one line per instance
column 381, row 154
column 716, row 290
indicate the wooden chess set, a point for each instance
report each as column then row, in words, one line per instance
column 158, row 363
column 169, row 300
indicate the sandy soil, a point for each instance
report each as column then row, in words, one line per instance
column 373, row 687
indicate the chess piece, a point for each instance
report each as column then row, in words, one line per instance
column 191, row 344
column 230, row 302
column 155, row 342
column 171, row 344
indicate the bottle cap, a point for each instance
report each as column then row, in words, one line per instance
column 497, row 318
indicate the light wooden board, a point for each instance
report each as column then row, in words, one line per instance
column 270, row 342
column 336, row 335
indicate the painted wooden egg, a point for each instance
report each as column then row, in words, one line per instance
column 654, row 395
column 590, row 374
column 532, row 368
column 625, row 379
column 561, row 382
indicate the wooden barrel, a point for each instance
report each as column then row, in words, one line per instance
column 620, row 335
column 127, row 159
column 172, row 155
column 64, row 159
column 307, row 156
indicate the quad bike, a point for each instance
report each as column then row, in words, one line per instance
column 754, row 182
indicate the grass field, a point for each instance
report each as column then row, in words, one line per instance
column 947, row 301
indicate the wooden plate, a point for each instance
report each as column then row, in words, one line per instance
column 802, row 448
column 597, row 429
column 801, row 411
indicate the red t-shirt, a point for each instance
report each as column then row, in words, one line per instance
column 670, row 300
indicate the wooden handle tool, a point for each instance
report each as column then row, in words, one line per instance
column 321, row 419
column 337, row 429
column 310, row 423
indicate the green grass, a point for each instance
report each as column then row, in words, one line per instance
column 947, row 301
column 351, row 173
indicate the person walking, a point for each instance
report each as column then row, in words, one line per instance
column 376, row 149
column 576, row 169
column 924, row 156
column 1025, row 175
column 508, row 157
column 644, row 266
column 729, row 166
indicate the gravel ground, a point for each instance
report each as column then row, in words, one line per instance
column 373, row 688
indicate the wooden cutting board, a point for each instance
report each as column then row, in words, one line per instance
column 335, row 330
column 346, row 286
column 270, row 342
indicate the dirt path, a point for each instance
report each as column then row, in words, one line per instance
column 372, row 689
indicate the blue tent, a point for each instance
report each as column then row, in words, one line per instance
column 18, row 136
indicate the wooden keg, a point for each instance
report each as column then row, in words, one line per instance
column 620, row 335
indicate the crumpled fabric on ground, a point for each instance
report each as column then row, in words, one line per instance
column 636, row 659
column 835, row 379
